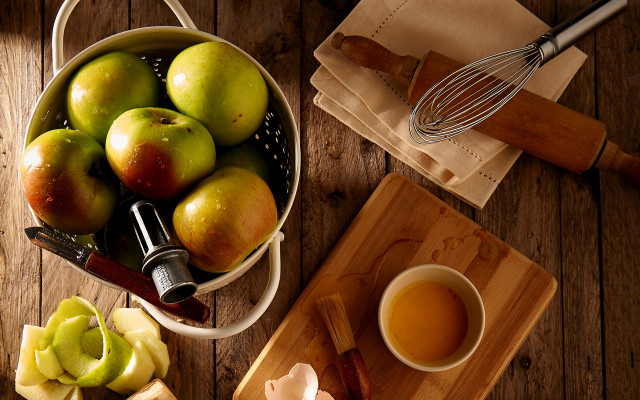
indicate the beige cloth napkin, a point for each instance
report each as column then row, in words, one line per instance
column 372, row 103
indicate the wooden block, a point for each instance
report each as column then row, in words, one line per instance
column 154, row 390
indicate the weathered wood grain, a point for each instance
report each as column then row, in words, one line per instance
column 270, row 32
column 524, row 212
column 156, row 13
column 20, row 84
column 581, row 302
column 89, row 22
column 584, row 230
column 618, row 88
column 340, row 168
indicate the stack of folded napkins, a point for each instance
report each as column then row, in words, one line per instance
column 372, row 103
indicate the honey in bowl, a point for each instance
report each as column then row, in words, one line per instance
column 427, row 321
column 431, row 317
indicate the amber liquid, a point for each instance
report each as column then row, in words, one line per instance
column 361, row 293
column 427, row 321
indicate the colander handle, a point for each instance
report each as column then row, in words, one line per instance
column 239, row 326
column 67, row 7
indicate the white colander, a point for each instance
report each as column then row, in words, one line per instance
column 278, row 137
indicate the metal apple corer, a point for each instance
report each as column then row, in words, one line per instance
column 164, row 260
column 277, row 140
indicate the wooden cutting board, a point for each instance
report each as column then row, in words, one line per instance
column 400, row 226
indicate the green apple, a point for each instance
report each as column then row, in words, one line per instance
column 92, row 342
column 224, row 218
column 220, row 87
column 27, row 373
column 67, row 379
column 48, row 390
column 131, row 319
column 67, row 181
column 90, row 241
column 244, row 156
column 67, row 308
column 138, row 372
column 158, row 153
column 48, row 364
column 158, row 350
column 106, row 87
column 89, row 371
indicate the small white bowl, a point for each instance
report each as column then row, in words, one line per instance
column 469, row 296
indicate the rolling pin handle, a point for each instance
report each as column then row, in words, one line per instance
column 371, row 54
column 337, row 40
column 617, row 160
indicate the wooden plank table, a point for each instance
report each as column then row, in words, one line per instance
column 585, row 230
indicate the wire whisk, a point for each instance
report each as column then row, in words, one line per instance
column 473, row 93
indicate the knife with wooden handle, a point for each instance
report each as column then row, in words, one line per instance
column 536, row 125
column 130, row 280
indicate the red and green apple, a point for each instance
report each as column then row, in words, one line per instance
column 224, row 218
column 158, row 153
column 67, row 181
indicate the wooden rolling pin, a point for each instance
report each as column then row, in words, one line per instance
column 536, row 125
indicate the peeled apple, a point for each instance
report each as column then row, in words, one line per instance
column 138, row 371
column 87, row 370
column 55, row 361
column 27, row 373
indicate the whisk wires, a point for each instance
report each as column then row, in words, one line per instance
column 472, row 94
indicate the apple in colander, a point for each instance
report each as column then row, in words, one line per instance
column 220, row 87
column 244, row 156
column 106, row 87
column 224, row 218
column 67, row 181
column 159, row 153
